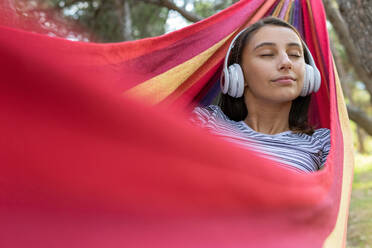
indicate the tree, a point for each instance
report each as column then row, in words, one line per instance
column 352, row 23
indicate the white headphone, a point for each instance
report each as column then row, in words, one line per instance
column 232, row 77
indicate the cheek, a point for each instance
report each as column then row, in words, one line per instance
column 301, row 74
column 255, row 72
column 301, row 70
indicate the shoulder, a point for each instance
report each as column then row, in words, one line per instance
column 313, row 147
column 320, row 140
column 323, row 135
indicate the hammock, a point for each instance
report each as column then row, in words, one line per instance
column 96, row 149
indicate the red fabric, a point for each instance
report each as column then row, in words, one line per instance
column 83, row 166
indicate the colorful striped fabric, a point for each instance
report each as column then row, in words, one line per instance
column 97, row 151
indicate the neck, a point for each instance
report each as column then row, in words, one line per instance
column 267, row 117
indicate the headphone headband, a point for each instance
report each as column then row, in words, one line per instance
column 232, row 44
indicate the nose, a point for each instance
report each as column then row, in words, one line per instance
column 284, row 62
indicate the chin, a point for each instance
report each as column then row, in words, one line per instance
column 283, row 98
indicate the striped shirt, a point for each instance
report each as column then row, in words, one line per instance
column 301, row 151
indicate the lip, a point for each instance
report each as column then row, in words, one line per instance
column 284, row 80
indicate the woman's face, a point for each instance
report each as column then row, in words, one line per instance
column 273, row 65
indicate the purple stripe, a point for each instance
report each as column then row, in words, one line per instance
column 213, row 88
column 297, row 20
column 301, row 22
column 284, row 9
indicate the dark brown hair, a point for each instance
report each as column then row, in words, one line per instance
column 235, row 108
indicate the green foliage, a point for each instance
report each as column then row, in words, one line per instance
column 148, row 20
column 206, row 8
column 360, row 216
column 360, row 96
column 101, row 20
column 365, row 140
column 103, row 17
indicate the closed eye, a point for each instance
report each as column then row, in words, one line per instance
column 267, row 55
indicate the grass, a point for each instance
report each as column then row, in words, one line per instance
column 360, row 215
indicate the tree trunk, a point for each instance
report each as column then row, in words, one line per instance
column 360, row 118
column 358, row 16
column 125, row 19
column 360, row 135
column 352, row 21
column 127, row 25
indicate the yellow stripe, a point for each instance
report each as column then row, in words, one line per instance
column 338, row 235
column 288, row 11
column 278, row 9
column 158, row 88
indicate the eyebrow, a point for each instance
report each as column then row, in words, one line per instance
column 292, row 44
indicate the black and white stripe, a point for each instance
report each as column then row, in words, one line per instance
column 301, row 151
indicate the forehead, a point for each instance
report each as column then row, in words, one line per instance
column 274, row 34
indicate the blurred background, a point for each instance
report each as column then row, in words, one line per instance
column 349, row 24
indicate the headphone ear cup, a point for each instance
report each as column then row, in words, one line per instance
column 317, row 79
column 308, row 80
column 236, row 81
column 241, row 82
column 312, row 79
column 233, row 78
column 225, row 80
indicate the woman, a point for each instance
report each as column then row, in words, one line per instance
column 269, row 75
